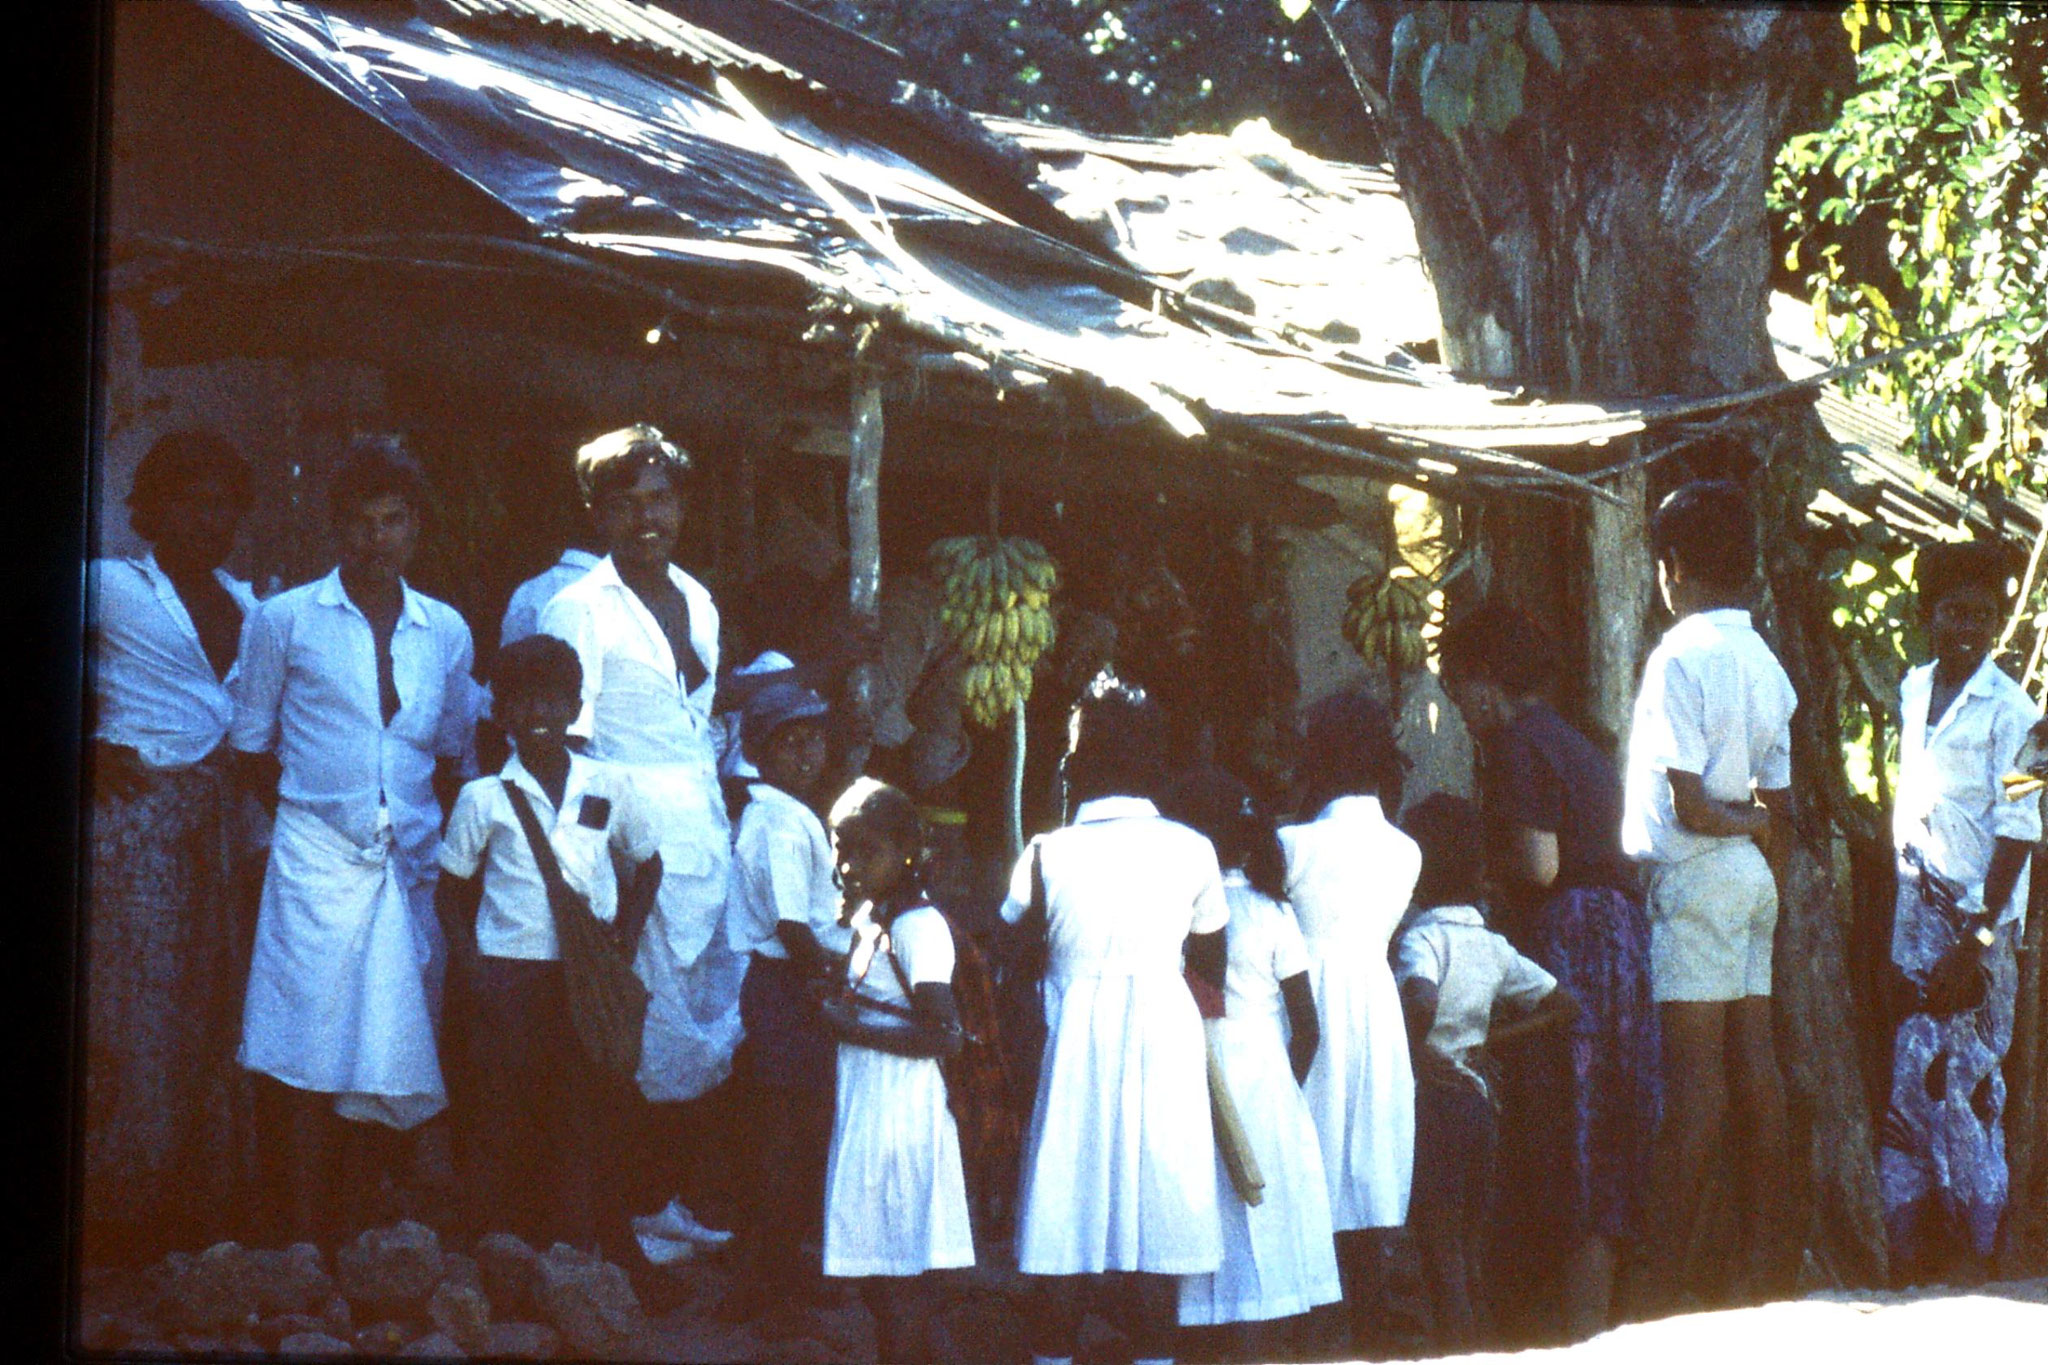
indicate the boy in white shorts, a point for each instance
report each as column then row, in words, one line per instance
column 1706, row 797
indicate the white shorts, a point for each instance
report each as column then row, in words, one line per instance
column 1713, row 918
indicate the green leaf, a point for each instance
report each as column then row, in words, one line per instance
column 1449, row 79
column 1544, row 39
column 1497, row 97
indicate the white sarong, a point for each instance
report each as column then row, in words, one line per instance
column 692, row 974
column 340, row 990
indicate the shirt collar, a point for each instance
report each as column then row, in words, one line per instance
column 1354, row 808
column 1453, row 914
column 573, row 558
column 761, row 790
column 1727, row 616
column 331, row 593
column 1113, row 808
column 515, row 772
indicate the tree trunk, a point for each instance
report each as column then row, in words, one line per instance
column 1612, row 241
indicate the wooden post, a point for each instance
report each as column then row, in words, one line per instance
column 864, row 544
column 1617, row 602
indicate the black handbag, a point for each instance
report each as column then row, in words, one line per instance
column 607, row 1002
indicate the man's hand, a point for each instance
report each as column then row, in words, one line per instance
column 118, row 770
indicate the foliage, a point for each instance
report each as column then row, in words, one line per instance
column 1145, row 67
column 1922, row 211
column 1466, row 63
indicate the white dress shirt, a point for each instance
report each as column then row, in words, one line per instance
column 635, row 710
column 1473, row 969
column 522, row 613
column 513, row 918
column 307, row 690
column 1949, row 803
column 782, row 871
column 1716, row 702
column 156, row 689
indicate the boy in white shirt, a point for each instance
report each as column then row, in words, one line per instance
column 783, row 916
column 1705, row 795
column 542, row 1126
column 1454, row 972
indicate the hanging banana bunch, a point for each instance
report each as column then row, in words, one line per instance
column 998, row 606
column 1385, row 619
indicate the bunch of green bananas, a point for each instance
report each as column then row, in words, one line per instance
column 998, row 607
column 1385, row 619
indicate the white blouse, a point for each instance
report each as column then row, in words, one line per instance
column 156, row 689
column 1949, row 803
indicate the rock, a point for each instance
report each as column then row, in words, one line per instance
column 439, row 1346
column 1224, row 293
column 294, row 1280
column 314, row 1344
column 460, row 1311
column 335, row 1318
column 510, row 1274
column 382, row 1339
column 981, row 1327
column 201, row 1343
column 216, row 1288
column 457, row 1268
column 520, row 1341
column 390, row 1270
column 149, row 1345
column 591, row 1303
column 1341, row 332
column 270, row 1331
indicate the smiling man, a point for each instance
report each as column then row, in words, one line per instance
column 353, row 691
column 646, row 635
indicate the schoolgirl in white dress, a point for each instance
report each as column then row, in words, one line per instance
column 1119, row 1164
column 1350, row 874
column 895, row 1191
column 1279, row 1256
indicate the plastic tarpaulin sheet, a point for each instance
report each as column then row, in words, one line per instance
column 620, row 153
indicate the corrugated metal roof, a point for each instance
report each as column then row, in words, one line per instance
column 630, row 24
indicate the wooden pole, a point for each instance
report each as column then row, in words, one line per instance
column 864, row 545
column 1618, row 600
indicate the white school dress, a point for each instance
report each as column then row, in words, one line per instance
column 895, row 1191
column 1279, row 1258
column 637, row 715
column 344, row 979
column 1119, row 1169
column 1350, row 875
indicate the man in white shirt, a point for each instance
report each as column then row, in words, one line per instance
column 522, row 611
column 1963, row 850
column 354, row 695
column 1707, row 778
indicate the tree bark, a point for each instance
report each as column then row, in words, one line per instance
column 1612, row 241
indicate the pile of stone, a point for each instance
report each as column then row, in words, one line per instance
column 393, row 1291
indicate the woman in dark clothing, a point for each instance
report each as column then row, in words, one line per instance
column 1578, row 1143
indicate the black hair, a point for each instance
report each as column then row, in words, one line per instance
column 1498, row 642
column 888, row 812
column 1348, row 749
column 178, row 460
column 1447, row 829
column 617, row 457
column 539, row 665
column 1707, row 529
column 754, row 741
column 1946, row 566
column 377, row 465
column 1119, row 746
column 1215, row 804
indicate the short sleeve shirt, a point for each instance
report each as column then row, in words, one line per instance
column 600, row 815
column 782, row 871
column 1542, row 774
column 1716, row 702
column 1473, row 969
column 1265, row 948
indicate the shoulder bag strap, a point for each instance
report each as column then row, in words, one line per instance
column 561, row 899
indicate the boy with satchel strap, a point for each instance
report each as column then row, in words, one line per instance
column 549, row 876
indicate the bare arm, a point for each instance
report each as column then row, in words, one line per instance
column 455, row 904
column 1304, row 1033
column 2008, row 860
column 933, row 1031
column 1702, row 814
column 1207, row 957
column 1418, row 1007
column 1557, row 1008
